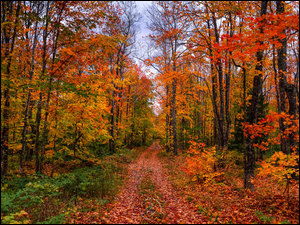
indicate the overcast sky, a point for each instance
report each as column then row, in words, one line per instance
column 142, row 5
column 142, row 42
column 142, row 29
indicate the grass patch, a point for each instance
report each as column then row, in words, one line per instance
column 263, row 218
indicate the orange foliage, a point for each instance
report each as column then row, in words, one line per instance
column 201, row 162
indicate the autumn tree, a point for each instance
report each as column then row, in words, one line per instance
column 58, row 60
column 10, row 12
column 124, row 24
column 169, row 34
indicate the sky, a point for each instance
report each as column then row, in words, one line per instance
column 143, row 31
column 142, row 5
column 142, row 42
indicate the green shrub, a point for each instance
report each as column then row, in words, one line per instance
column 16, row 218
column 7, row 202
column 263, row 217
column 39, row 195
column 58, row 219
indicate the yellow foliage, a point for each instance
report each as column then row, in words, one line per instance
column 280, row 166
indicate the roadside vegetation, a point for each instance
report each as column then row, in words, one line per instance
column 68, row 195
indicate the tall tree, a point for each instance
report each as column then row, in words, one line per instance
column 170, row 33
column 10, row 13
column 286, row 89
column 256, row 94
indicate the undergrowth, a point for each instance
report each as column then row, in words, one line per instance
column 37, row 198
column 224, row 199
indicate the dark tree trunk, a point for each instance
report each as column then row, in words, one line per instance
column 112, row 123
column 45, row 130
column 253, row 111
column 174, row 117
column 227, row 90
column 126, row 142
column 276, row 82
column 217, row 125
column 144, row 136
column 285, row 87
column 217, row 135
column 167, row 120
column 227, row 103
column 38, row 165
column 8, row 54
column 37, row 132
column 221, row 91
column 28, row 101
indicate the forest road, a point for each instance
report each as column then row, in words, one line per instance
column 128, row 205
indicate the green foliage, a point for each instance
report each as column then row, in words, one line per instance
column 263, row 217
column 189, row 198
column 7, row 202
column 234, row 158
column 59, row 219
column 262, row 107
column 203, row 210
column 285, row 222
column 262, row 110
column 99, row 149
column 164, row 153
column 31, row 193
column 16, row 183
column 236, row 142
column 91, row 182
column 200, row 209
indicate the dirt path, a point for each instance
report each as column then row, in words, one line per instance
column 128, row 205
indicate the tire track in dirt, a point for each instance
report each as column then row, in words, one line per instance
column 127, row 206
column 177, row 210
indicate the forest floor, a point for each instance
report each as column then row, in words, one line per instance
column 157, row 191
column 145, row 185
column 148, row 196
column 225, row 201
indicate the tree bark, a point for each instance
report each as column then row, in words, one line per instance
column 39, row 111
column 24, row 131
column 174, row 117
column 112, row 123
column 285, row 88
column 221, row 90
column 8, row 54
column 167, row 120
column 227, row 104
column 257, row 91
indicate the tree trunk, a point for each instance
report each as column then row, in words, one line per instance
column 275, row 79
column 5, row 130
column 221, row 91
column 112, row 123
column 227, row 104
column 227, row 90
column 174, row 117
column 285, row 87
column 24, row 131
column 167, row 120
column 217, row 135
column 257, row 91
column 39, row 111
